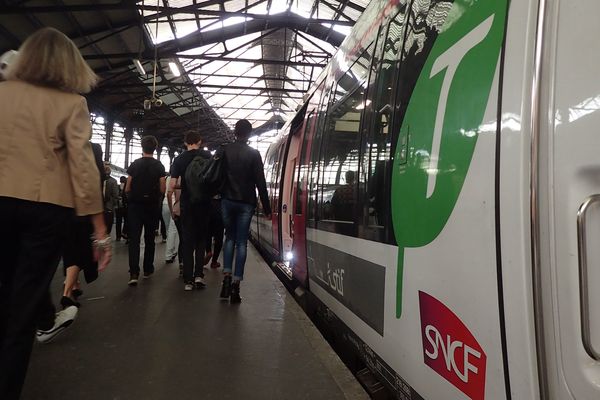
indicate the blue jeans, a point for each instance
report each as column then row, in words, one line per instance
column 236, row 219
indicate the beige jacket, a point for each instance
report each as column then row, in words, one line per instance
column 45, row 153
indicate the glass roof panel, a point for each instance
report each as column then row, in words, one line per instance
column 184, row 28
column 237, row 89
column 324, row 12
column 260, row 8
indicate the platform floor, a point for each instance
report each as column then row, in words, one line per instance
column 155, row 341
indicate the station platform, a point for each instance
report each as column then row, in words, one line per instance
column 155, row 341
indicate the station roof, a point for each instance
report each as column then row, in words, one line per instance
column 235, row 59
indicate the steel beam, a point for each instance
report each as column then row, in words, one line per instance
column 204, row 85
column 210, row 58
column 198, row 39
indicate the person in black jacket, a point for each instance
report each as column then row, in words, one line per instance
column 243, row 173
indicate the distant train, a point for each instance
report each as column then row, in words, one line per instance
column 436, row 202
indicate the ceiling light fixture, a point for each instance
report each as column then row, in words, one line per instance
column 139, row 66
column 174, row 69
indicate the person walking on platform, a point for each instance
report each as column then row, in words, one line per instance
column 77, row 254
column 145, row 186
column 121, row 212
column 110, row 189
column 194, row 211
column 214, row 242
column 243, row 173
column 174, row 246
column 161, row 220
column 47, row 171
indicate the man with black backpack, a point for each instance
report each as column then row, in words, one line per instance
column 145, row 186
column 195, row 205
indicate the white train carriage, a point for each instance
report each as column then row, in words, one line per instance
column 436, row 198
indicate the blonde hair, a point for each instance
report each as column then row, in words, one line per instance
column 49, row 58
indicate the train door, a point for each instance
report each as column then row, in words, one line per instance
column 276, row 199
column 287, row 195
column 569, row 201
column 300, row 195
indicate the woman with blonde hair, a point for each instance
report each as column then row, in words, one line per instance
column 47, row 170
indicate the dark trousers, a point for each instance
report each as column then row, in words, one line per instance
column 215, row 230
column 142, row 216
column 30, row 244
column 177, row 221
column 194, row 220
column 109, row 218
column 121, row 227
column 163, row 227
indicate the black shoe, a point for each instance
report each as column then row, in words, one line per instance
column 77, row 293
column 68, row 302
column 235, row 293
column 133, row 279
column 199, row 282
column 226, row 287
column 171, row 260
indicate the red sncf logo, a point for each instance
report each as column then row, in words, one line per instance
column 450, row 349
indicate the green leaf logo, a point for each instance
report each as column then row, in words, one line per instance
column 440, row 128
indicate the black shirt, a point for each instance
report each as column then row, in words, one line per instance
column 179, row 166
column 145, row 175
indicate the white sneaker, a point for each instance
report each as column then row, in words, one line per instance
column 188, row 287
column 199, row 282
column 62, row 321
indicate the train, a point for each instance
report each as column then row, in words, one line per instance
column 436, row 199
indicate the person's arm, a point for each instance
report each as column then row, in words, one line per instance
column 84, row 175
column 170, row 191
column 85, row 179
column 163, row 180
column 261, row 185
column 163, row 185
column 102, row 244
column 128, row 185
column 173, row 185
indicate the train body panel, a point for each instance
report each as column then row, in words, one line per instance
column 422, row 198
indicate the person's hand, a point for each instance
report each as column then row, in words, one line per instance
column 104, row 257
column 102, row 252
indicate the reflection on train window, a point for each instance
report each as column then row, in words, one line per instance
column 376, row 151
column 302, row 173
column 340, row 149
column 316, row 167
column 269, row 164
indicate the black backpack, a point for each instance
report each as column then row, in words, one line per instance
column 198, row 190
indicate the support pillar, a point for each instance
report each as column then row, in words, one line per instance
column 109, row 125
column 128, row 137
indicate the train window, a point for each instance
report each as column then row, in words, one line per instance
column 377, row 145
column 315, row 149
column 339, row 180
column 302, row 172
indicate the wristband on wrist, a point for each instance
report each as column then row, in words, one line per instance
column 102, row 243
